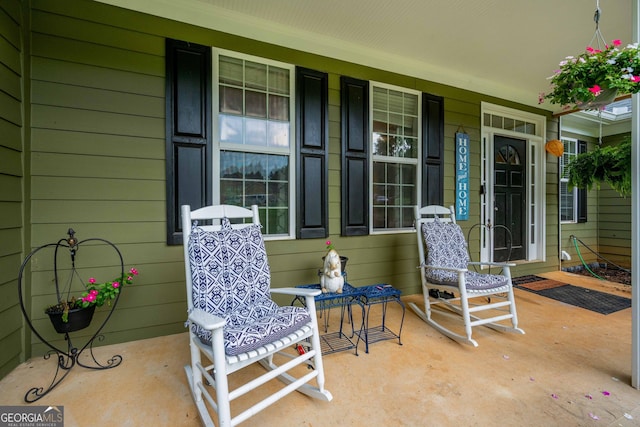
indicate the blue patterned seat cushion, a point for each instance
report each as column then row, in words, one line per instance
column 231, row 279
column 446, row 247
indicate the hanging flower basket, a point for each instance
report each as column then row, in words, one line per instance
column 606, row 97
column 77, row 318
column 594, row 78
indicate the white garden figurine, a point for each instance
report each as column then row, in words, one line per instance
column 332, row 279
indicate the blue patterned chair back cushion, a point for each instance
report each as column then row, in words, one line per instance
column 446, row 246
column 231, row 279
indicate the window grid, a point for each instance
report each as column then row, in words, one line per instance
column 254, row 132
column 395, row 148
column 568, row 197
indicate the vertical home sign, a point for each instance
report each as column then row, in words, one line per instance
column 462, row 176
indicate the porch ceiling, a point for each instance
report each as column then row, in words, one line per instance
column 505, row 48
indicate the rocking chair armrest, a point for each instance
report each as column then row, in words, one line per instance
column 206, row 320
column 302, row 292
column 493, row 264
column 437, row 267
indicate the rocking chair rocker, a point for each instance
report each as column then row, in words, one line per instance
column 232, row 320
column 444, row 262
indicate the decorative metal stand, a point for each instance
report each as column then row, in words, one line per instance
column 67, row 359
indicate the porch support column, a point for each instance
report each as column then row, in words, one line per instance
column 635, row 218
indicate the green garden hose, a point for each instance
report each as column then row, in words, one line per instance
column 575, row 243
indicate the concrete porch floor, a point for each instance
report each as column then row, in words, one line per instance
column 572, row 368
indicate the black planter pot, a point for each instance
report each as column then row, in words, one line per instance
column 343, row 263
column 79, row 318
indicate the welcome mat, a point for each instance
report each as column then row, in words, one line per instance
column 600, row 302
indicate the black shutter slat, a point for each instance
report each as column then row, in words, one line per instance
column 312, row 124
column 432, row 150
column 188, row 131
column 582, row 192
column 355, row 156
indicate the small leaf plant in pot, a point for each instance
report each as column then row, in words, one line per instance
column 95, row 295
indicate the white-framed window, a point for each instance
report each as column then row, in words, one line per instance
column 568, row 197
column 254, row 161
column 395, row 150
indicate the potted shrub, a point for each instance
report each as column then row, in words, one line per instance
column 594, row 78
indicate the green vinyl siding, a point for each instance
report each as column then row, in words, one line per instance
column 97, row 164
column 11, row 184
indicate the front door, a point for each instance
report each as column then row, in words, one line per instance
column 510, row 199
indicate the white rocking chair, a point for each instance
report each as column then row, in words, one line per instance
column 447, row 282
column 232, row 320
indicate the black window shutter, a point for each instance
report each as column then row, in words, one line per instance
column 355, row 156
column 188, row 131
column 582, row 192
column 432, row 150
column 312, row 125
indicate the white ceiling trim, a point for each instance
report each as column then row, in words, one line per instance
column 212, row 17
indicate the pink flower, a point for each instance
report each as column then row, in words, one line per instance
column 115, row 284
column 595, row 90
column 590, row 49
column 635, row 79
column 92, row 280
column 133, row 271
column 89, row 298
column 616, row 42
column 93, row 292
column 129, row 278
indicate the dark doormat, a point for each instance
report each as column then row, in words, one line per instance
column 600, row 302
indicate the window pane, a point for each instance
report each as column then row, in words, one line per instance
column 231, row 70
column 278, row 168
column 277, row 221
column 278, row 134
column 256, row 104
column 254, row 110
column 278, row 107
column 256, row 132
column 231, row 129
column 231, row 165
column 230, row 100
column 396, row 101
column 279, row 80
column 255, row 75
column 256, row 166
column 380, row 144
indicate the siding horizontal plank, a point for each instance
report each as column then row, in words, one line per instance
column 82, row 52
column 70, row 165
column 71, row 73
column 86, row 98
column 88, row 188
column 10, row 162
column 11, row 135
column 64, row 141
column 78, row 212
column 11, row 188
column 96, row 121
column 97, row 33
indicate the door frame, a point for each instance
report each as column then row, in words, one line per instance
column 509, row 122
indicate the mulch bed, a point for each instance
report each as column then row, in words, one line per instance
column 610, row 274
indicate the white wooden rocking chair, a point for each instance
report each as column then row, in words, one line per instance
column 448, row 283
column 232, row 320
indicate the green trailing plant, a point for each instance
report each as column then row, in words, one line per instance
column 610, row 164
